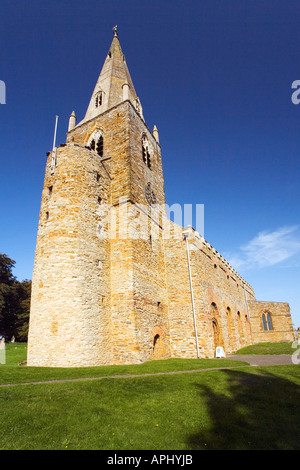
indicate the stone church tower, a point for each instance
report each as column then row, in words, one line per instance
column 109, row 287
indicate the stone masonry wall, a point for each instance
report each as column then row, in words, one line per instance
column 69, row 318
column 282, row 327
column 219, row 298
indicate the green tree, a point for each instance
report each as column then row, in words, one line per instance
column 23, row 309
column 14, row 302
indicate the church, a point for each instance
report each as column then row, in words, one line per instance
column 114, row 280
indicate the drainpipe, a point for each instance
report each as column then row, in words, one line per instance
column 185, row 236
column 248, row 312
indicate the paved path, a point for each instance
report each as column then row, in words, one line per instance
column 264, row 360
column 253, row 360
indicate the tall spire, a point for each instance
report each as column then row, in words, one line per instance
column 114, row 84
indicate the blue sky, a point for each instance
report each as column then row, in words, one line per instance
column 214, row 76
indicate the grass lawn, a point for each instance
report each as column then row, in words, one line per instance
column 244, row 408
column 268, row 348
column 11, row 372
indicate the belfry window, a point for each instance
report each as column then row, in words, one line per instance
column 96, row 142
column 98, row 99
column 145, row 152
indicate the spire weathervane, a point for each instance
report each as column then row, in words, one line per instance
column 115, row 29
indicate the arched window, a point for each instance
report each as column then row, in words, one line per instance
column 96, row 142
column 146, row 151
column 266, row 321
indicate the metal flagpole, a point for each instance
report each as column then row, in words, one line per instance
column 54, row 148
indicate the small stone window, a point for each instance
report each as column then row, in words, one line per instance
column 50, row 190
column 213, row 309
column 155, row 340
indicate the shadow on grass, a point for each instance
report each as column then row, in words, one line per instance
column 255, row 412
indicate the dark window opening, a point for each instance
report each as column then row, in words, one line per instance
column 99, row 200
column 92, row 146
column 100, row 146
column 156, row 338
column 148, row 161
column 47, row 215
column 50, row 190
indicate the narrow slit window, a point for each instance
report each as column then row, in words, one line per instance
column 264, row 322
column 269, row 322
column 155, row 340
column 100, row 146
